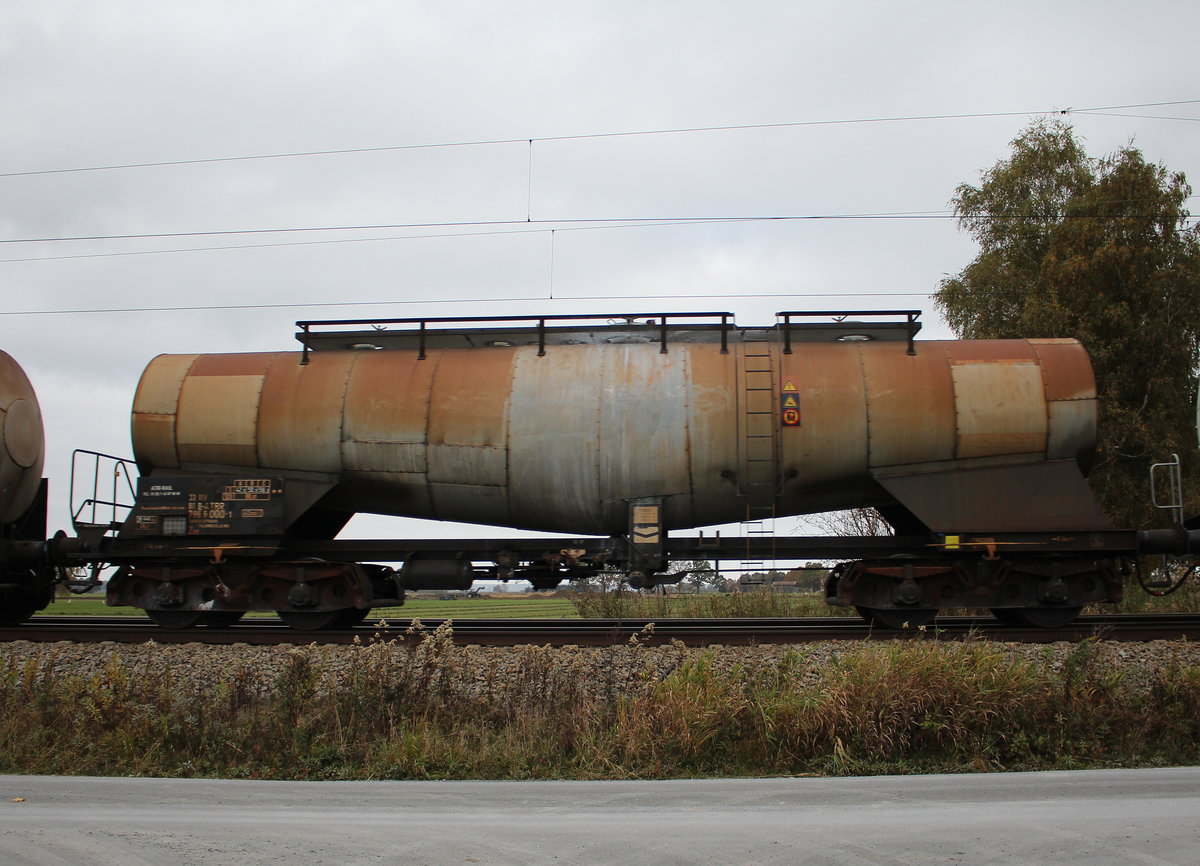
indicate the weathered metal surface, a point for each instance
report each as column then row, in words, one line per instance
column 506, row 435
column 384, row 430
column 22, row 442
column 1000, row 408
column 468, row 434
column 554, row 450
column 299, row 413
column 1014, row 498
column 711, row 380
column 1071, row 400
column 829, row 383
column 155, row 409
column 910, row 404
column 217, row 415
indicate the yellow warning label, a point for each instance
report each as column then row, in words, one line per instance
column 645, row 514
column 790, row 402
column 789, row 385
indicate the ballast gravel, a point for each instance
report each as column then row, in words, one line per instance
column 601, row 672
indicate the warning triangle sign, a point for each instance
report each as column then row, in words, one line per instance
column 789, row 385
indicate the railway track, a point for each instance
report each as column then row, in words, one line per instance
column 608, row 632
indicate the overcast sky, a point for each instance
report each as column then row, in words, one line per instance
column 85, row 85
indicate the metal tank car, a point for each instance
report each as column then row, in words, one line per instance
column 619, row 431
column 26, row 582
column 561, row 437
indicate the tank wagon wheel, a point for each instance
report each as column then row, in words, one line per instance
column 221, row 618
column 21, row 605
column 17, row 612
column 320, row 620
column 1037, row 617
column 352, row 616
column 175, row 619
column 897, row 619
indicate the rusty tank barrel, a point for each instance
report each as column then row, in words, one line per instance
column 563, row 437
column 22, row 442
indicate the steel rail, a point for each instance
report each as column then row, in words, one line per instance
column 608, row 632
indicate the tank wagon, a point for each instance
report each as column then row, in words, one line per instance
column 26, row 582
column 618, row 431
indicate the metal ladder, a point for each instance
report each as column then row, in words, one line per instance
column 758, row 439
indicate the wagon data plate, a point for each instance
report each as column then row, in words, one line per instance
column 209, row 505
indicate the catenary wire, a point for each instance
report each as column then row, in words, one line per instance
column 1136, row 116
column 556, row 227
column 547, row 223
column 544, row 225
column 326, row 242
column 531, row 140
column 204, row 308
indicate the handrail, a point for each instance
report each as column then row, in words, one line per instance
column 1174, row 490
column 96, row 504
column 903, row 322
column 649, row 320
column 910, row 323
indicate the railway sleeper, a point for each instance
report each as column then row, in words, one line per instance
column 1044, row 593
column 307, row 595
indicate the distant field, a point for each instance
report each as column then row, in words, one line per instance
column 532, row 607
column 628, row 605
column 517, row 607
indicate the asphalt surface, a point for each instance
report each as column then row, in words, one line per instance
column 1097, row 817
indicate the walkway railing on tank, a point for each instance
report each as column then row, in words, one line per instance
column 660, row 324
column 113, row 490
column 424, row 333
column 850, row 326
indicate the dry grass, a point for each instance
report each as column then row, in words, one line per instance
column 421, row 708
column 627, row 604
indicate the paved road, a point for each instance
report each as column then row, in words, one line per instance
column 1100, row 817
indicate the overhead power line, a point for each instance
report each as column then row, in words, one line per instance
column 542, row 225
column 690, row 296
column 539, row 298
column 1137, row 116
column 531, row 140
column 379, row 238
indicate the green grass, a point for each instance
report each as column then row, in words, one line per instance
column 533, row 607
column 630, row 605
column 465, row 608
column 86, row 605
column 634, row 605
